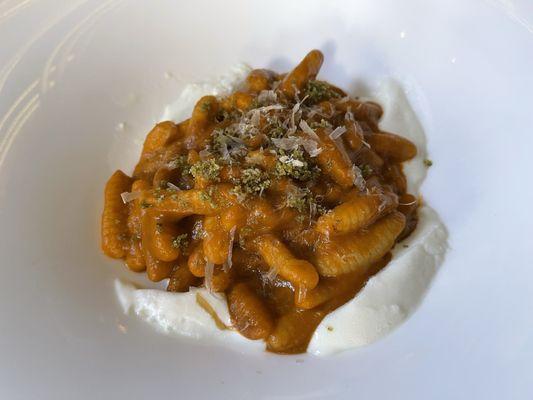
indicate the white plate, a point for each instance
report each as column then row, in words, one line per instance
column 72, row 71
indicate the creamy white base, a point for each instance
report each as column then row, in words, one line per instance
column 387, row 299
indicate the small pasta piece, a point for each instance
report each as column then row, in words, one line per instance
column 180, row 204
column 258, row 80
column 408, row 204
column 329, row 192
column 197, row 261
column 356, row 252
column 164, row 247
column 115, row 215
column 155, row 269
column 355, row 214
column 241, row 101
column 221, row 280
column 352, row 136
column 203, row 116
column 348, row 284
column 368, row 157
column 368, row 112
column 216, row 240
column 394, row 175
column 233, row 217
column 307, row 70
column 247, row 264
column 278, row 257
column 261, row 216
column 135, row 256
column 293, row 331
column 392, row 147
column 159, row 137
column 333, row 162
column 248, row 312
column 181, row 278
column 152, row 162
column 328, row 288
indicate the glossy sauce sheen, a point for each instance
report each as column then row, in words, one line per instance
column 284, row 195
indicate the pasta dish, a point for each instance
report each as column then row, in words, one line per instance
column 284, row 195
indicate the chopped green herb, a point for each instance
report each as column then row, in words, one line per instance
column 207, row 196
column 366, row 170
column 207, row 169
column 428, row 162
column 254, row 181
column 205, row 107
column 297, row 200
column 145, row 204
column 179, row 163
column 159, row 195
column 304, row 201
column 319, row 91
column 295, row 165
column 159, row 227
column 180, row 241
column 163, row 184
column 322, row 124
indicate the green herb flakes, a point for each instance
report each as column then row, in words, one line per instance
column 207, row 169
column 319, row 91
column 180, row 241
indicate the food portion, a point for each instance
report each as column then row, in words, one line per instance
column 284, row 195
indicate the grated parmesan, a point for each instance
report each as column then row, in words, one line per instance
column 229, row 262
column 171, row 186
column 208, row 280
column 129, row 196
column 337, row 132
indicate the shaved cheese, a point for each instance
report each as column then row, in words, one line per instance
column 311, row 147
column 292, row 161
column 171, row 186
column 129, row 196
column 312, row 113
column 272, row 107
column 337, row 132
column 340, row 146
column 287, row 143
column 304, row 126
column 256, row 117
column 408, row 204
column 204, row 154
column 267, row 96
column 295, row 113
column 302, row 292
column 229, row 263
column 358, row 180
column 349, row 115
column 208, row 279
column 271, row 274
